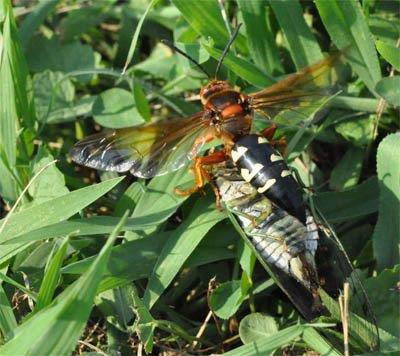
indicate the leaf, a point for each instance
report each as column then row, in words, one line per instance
column 386, row 305
column 179, row 246
column 314, row 340
column 116, row 108
column 47, row 213
column 52, row 92
column 226, row 299
column 358, row 131
column 389, row 52
column 57, row 328
column 34, row 20
column 51, row 278
column 81, row 20
column 50, row 183
column 50, row 54
column 346, row 173
column 386, row 237
column 256, row 326
column 145, row 324
column 303, row 46
column 269, row 344
column 243, row 68
column 345, row 22
column 7, row 318
column 206, row 19
column 389, row 89
column 135, row 37
column 142, row 105
column 260, row 36
column 350, row 204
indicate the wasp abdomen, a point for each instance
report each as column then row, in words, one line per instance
column 264, row 168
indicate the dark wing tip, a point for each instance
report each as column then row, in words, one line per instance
column 94, row 153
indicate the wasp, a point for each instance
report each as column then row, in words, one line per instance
column 163, row 147
column 301, row 253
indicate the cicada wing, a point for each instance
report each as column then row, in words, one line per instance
column 145, row 151
column 306, row 89
column 334, row 269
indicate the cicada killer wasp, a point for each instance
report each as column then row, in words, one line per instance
column 162, row 147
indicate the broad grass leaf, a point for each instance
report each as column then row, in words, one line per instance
column 348, row 29
column 269, row 344
column 179, row 247
column 302, row 44
column 51, row 278
column 56, row 329
column 347, row 172
column 349, row 204
column 7, row 318
column 206, row 18
column 47, row 213
column 256, row 326
column 260, row 35
column 386, row 238
column 314, row 340
column 386, row 305
column 243, row 68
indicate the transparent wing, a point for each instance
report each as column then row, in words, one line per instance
column 335, row 268
column 145, row 151
column 306, row 88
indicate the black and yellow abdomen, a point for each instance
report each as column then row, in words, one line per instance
column 264, row 168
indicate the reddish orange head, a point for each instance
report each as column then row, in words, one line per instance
column 213, row 87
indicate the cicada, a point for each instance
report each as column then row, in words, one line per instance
column 301, row 253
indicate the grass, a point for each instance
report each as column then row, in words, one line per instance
column 93, row 262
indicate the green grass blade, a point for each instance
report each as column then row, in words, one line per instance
column 314, row 340
column 267, row 345
column 56, row 329
column 135, row 37
column 243, row 68
column 179, row 246
column 303, row 46
column 51, row 278
column 387, row 231
column 48, row 213
column 206, row 19
column 345, row 22
column 260, row 37
column 7, row 318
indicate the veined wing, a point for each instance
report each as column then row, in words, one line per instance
column 302, row 89
column 145, row 151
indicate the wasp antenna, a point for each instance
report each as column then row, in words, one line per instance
column 176, row 49
column 227, row 47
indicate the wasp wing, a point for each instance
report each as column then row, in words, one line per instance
column 145, row 151
column 305, row 88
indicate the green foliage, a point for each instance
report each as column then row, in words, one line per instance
column 61, row 65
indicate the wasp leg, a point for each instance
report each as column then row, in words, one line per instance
column 202, row 176
column 269, row 133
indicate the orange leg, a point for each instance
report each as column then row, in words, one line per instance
column 202, row 176
column 269, row 133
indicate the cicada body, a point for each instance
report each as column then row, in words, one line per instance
column 303, row 257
